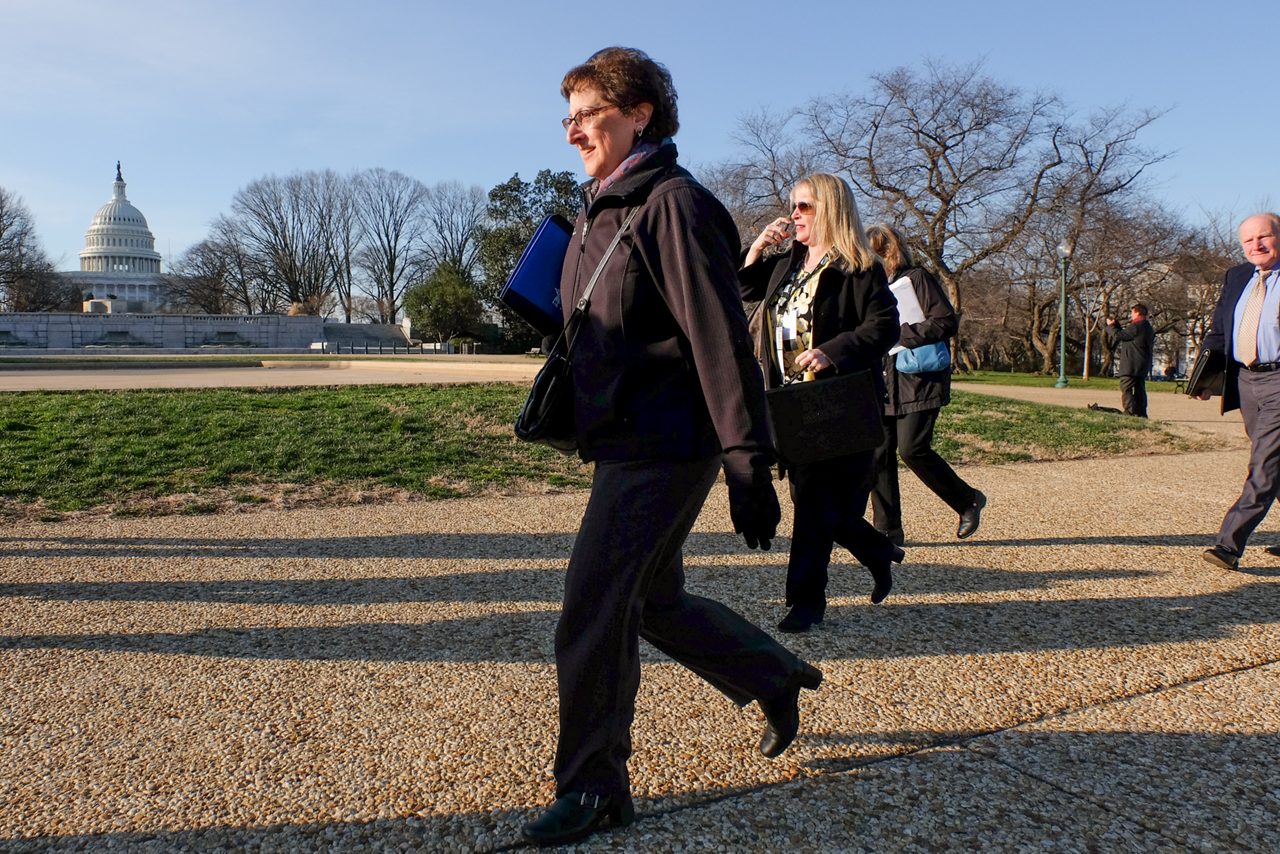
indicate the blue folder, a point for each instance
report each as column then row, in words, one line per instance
column 533, row 291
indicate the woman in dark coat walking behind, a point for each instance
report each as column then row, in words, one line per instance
column 913, row 402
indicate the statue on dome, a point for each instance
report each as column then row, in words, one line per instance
column 118, row 176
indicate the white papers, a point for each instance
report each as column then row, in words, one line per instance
column 909, row 310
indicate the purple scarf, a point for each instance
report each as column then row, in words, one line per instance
column 640, row 152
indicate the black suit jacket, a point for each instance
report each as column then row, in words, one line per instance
column 1222, row 334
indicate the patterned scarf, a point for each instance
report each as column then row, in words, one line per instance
column 640, row 152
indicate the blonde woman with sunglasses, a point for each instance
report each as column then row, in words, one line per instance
column 824, row 309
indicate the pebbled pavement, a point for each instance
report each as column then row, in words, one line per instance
column 1073, row 678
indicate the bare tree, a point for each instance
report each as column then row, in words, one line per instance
column 200, row 281
column 1097, row 203
column 392, row 210
column 280, row 225
column 997, row 318
column 1029, row 270
column 250, row 285
column 334, row 211
column 454, row 215
column 28, row 281
column 1208, row 253
column 1102, row 162
column 17, row 235
column 756, row 187
column 960, row 160
column 1124, row 257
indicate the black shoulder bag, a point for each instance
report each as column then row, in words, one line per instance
column 547, row 414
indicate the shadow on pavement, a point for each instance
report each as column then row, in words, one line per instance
column 916, row 630
column 1178, row 791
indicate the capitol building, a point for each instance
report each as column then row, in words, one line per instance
column 124, row 311
column 119, row 265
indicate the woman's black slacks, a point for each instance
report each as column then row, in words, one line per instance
column 830, row 498
column 625, row 582
column 911, row 434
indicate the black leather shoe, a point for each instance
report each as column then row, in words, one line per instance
column 576, row 815
column 1221, row 558
column 801, row 618
column 882, row 575
column 782, row 713
column 972, row 516
column 1274, row 551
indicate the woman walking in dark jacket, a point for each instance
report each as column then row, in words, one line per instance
column 666, row 391
column 826, row 309
column 913, row 402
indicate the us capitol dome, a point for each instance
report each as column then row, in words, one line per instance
column 119, row 265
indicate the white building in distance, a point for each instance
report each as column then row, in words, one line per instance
column 119, row 265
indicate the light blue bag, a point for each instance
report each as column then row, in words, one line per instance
column 924, row 359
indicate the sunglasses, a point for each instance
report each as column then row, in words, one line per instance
column 805, row 208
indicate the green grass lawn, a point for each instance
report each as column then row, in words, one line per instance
column 127, row 450
column 1047, row 381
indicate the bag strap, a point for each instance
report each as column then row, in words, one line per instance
column 584, row 301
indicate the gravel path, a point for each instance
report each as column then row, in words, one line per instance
column 273, row 373
column 381, row 677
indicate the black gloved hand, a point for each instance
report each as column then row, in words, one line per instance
column 753, row 505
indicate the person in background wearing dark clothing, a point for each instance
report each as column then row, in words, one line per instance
column 829, row 298
column 666, row 391
column 1246, row 330
column 913, row 402
column 1136, row 343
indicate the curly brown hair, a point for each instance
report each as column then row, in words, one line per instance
column 626, row 77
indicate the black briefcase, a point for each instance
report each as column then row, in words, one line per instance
column 1208, row 374
column 824, row 419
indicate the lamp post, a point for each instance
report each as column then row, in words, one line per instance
column 1064, row 252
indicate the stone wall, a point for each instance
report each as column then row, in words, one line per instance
column 143, row 332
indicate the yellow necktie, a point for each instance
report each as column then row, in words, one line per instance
column 1247, row 335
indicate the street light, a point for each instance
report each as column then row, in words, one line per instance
column 1064, row 252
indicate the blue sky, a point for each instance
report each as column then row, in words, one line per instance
column 198, row 98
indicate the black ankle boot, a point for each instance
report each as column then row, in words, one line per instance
column 801, row 618
column 782, row 713
column 882, row 575
column 576, row 815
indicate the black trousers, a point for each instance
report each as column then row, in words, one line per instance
column 830, row 499
column 1133, row 396
column 911, row 434
column 625, row 582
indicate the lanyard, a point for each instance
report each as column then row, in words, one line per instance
column 798, row 280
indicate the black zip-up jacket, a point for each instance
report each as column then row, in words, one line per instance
column 662, row 367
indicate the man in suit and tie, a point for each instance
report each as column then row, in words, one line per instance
column 1246, row 331
column 1136, row 344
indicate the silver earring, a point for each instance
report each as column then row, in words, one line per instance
column 640, row 131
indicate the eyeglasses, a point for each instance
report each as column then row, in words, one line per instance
column 805, row 208
column 586, row 117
